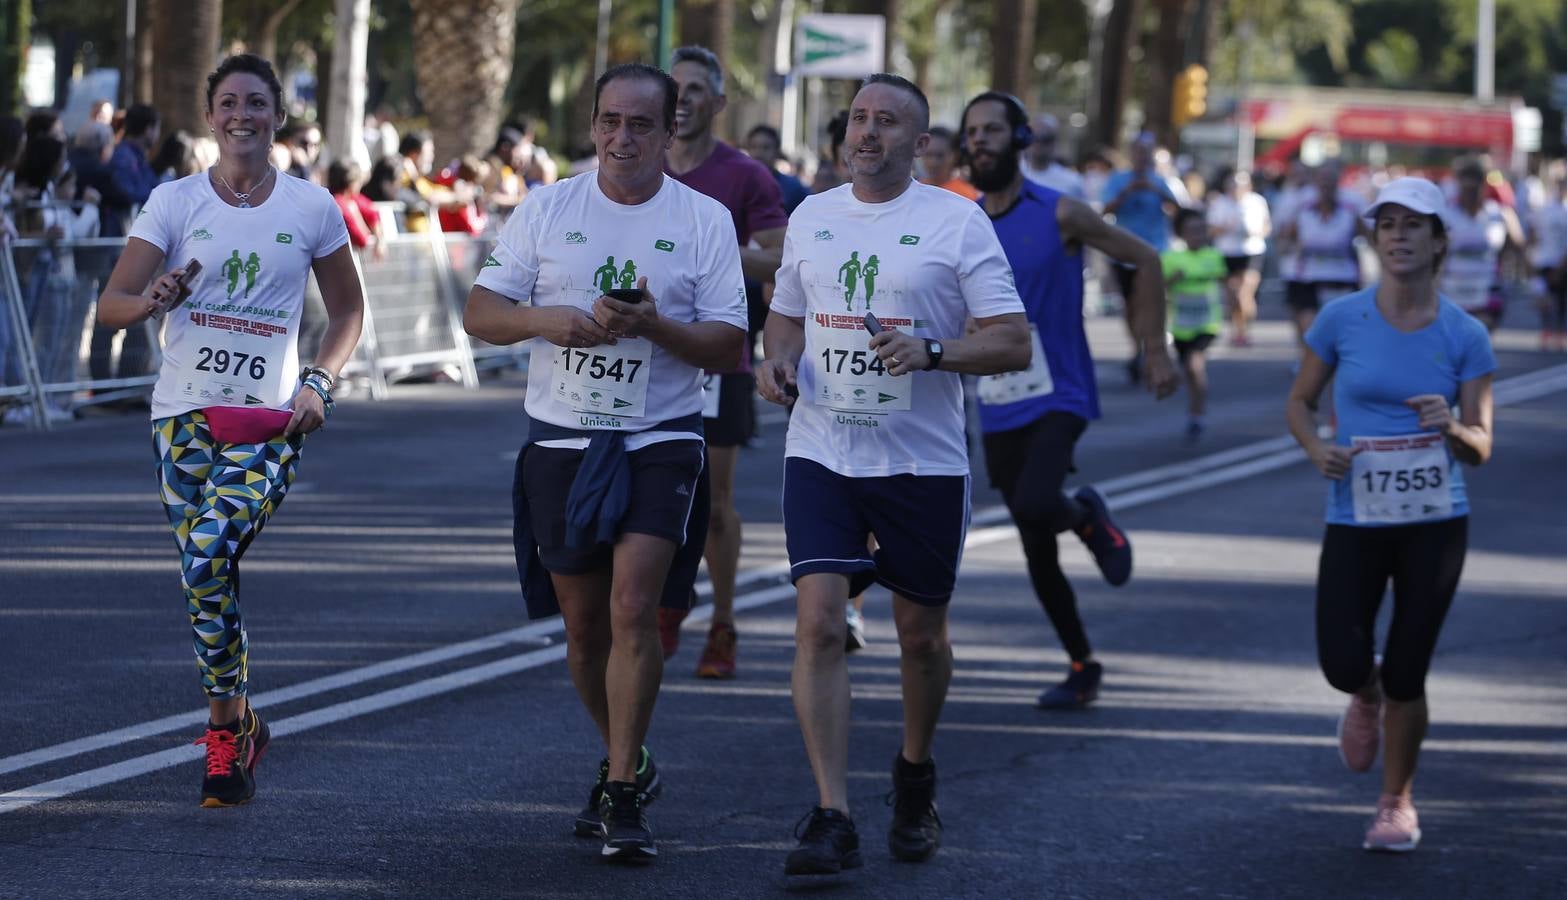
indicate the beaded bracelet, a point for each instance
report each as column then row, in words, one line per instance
column 327, row 377
column 314, row 383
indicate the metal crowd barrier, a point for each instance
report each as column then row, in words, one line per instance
column 413, row 324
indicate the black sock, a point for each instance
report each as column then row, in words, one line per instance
column 916, row 770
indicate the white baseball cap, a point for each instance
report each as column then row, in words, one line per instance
column 1415, row 194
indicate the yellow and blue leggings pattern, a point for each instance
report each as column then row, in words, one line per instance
column 218, row 496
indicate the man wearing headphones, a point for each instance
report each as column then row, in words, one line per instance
column 1032, row 420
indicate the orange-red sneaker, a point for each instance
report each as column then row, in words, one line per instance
column 669, row 629
column 232, row 753
column 718, row 657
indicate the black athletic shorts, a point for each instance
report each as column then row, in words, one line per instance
column 736, row 422
column 1185, row 347
column 1306, row 296
column 1238, row 264
column 663, row 482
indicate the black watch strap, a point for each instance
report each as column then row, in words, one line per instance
column 934, row 350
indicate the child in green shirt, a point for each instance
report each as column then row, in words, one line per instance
column 1194, row 278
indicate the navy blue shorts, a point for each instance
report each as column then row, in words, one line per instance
column 920, row 523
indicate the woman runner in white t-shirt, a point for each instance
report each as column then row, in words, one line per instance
column 1548, row 258
column 1238, row 219
column 231, row 408
column 1479, row 231
column 1325, row 265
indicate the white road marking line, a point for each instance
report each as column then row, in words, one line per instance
column 1534, row 384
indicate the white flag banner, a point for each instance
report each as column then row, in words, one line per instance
column 839, row 46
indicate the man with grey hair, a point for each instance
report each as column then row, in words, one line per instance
column 1041, row 166
column 699, row 160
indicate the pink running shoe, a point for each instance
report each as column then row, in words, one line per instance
column 1360, row 733
column 1395, row 828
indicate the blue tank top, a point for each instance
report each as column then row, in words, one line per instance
column 1050, row 281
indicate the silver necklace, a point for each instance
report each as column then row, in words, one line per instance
column 244, row 199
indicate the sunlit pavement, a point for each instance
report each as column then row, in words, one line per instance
column 1207, row 767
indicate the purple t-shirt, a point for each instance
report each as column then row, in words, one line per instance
column 746, row 188
column 741, row 184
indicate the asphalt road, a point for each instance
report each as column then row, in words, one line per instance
column 453, row 767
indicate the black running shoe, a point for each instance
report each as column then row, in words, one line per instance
column 828, row 844
column 916, row 829
column 1080, row 688
column 233, row 751
column 1109, row 545
column 627, row 837
column 588, row 823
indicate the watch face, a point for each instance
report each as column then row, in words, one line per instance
column 935, row 347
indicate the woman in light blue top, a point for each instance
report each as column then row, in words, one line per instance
column 1400, row 357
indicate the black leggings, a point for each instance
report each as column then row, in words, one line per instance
column 1424, row 562
column 1029, row 465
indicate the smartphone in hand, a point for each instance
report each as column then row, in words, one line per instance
column 625, row 295
column 187, row 277
column 872, row 325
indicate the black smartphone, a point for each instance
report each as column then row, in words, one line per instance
column 791, row 390
column 625, row 295
column 871, row 325
column 192, row 269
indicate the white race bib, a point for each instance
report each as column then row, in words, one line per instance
column 1468, row 290
column 610, row 379
column 711, row 386
column 1401, row 480
column 850, row 377
column 1193, row 311
column 1010, row 387
column 238, row 362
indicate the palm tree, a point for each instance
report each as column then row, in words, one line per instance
column 186, row 34
column 462, row 58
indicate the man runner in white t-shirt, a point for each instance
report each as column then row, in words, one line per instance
column 626, row 284
column 876, row 444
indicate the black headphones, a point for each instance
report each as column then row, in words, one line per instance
column 1022, row 134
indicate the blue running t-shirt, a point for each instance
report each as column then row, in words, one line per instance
column 1142, row 210
column 1049, row 279
column 1378, row 367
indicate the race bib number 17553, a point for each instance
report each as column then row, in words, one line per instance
column 1399, row 480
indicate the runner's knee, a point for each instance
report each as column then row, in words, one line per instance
column 1345, row 663
column 1051, row 511
column 819, row 629
column 924, row 643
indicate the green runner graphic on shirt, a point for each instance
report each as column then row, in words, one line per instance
column 607, row 277
column 232, row 267
column 854, row 273
column 252, row 269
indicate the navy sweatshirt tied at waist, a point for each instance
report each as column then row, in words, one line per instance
column 595, row 506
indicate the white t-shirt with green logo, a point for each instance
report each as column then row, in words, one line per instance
column 567, row 244
column 235, row 341
column 922, row 263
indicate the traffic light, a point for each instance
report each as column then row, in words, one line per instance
column 1190, row 98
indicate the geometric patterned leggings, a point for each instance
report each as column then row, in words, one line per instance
column 218, row 497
